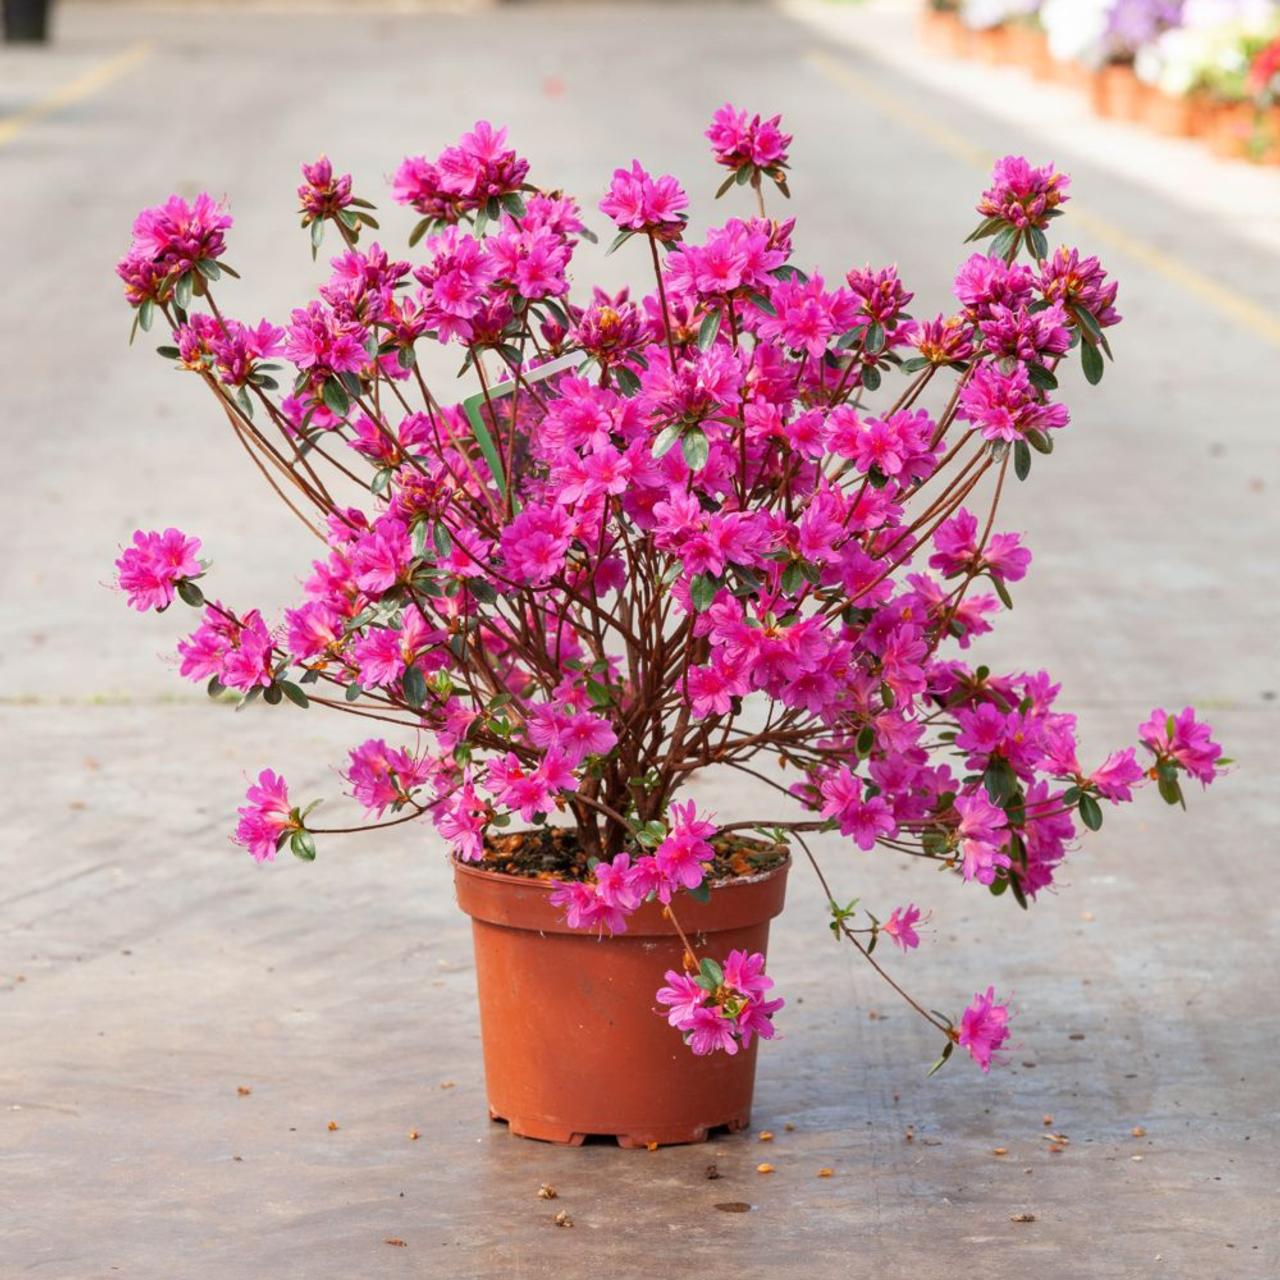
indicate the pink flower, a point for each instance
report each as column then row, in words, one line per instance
column 984, row 1027
column 320, row 341
column 900, row 926
column 168, row 241
column 1117, row 775
column 683, row 996
column 267, row 819
column 737, row 139
column 150, row 570
column 981, row 831
column 1021, row 195
column 1005, row 406
column 460, row 817
column 638, row 202
column 321, row 195
column 866, row 820
column 1081, row 284
column 1183, row 739
column 681, row 855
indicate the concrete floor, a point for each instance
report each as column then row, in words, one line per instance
column 149, row 973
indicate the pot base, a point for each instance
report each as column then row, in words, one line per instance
column 547, row 1131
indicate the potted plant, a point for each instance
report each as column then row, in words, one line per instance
column 744, row 519
column 1130, row 26
column 941, row 27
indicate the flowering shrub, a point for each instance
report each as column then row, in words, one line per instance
column 747, row 515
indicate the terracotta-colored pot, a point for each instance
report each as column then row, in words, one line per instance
column 991, row 45
column 1175, row 117
column 1121, row 95
column 1230, row 130
column 1269, row 135
column 1025, row 47
column 573, row 1045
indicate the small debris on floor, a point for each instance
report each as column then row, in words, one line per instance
column 910, row 1134
column 1138, row 1131
column 1055, row 1149
column 1047, row 1120
column 562, row 1219
column 1022, row 1217
column 712, row 1173
column 1136, row 1159
column 396, row 1241
column 333, row 1125
column 651, row 1146
column 765, row 1135
column 238, row 1159
column 448, row 1084
column 243, row 1090
column 789, row 1127
column 1060, row 1139
column 764, row 1168
column 999, row 1151
column 734, row 1206
column 547, row 1192
column 1076, row 1035
column 826, row 1173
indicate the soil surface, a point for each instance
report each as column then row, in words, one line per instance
column 553, row 853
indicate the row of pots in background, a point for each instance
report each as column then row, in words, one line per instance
column 1232, row 130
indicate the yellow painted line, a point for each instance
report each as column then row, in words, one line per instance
column 1249, row 314
column 77, row 90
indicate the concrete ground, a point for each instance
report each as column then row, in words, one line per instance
column 150, row 975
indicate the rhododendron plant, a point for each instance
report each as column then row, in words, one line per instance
column 740, row 516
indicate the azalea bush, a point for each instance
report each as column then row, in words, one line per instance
column 742, row 517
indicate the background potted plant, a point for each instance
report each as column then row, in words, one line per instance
column 745, row 521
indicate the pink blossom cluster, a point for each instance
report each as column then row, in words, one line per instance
column 170, row 241
column 723, row 1007
column 739, row 140
column 322, row 194
column 682, row 527
column 463, row 178
column 150, row 570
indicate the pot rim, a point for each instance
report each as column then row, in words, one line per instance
column 518, row 902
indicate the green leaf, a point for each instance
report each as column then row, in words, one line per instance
column 874, row 341
column 443, row 542
column 725, row 185
column 702, row 592
column 189, row 593
column 695, row 448
column 1042, row 377
column 946, row 1053
column 209, row 269
column 419, row 231
column 871, row 377
column 215, row 688
column 1002, row 591
column 146, row 313
column 294, row 694
column 302, row 844
column 1090, row 812
column 710, row 973
column 1021, row 459
column 628, row 382
column 1000, row 780
column 1092, row 363
column 482, row 590
column 317, row 235
column 866, row 740
column 667, row 437
column 700, row 893
column 618, row 241
column 514, row 205
column 182, row 291
column 1039, row 243
column 1040, row 441
column 1005, row 245
column 335, row 397
column 415, row 687
column 352, row 692
column 271, row 695
column 709, row 329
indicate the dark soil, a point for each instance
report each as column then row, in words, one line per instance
column 553, row 853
